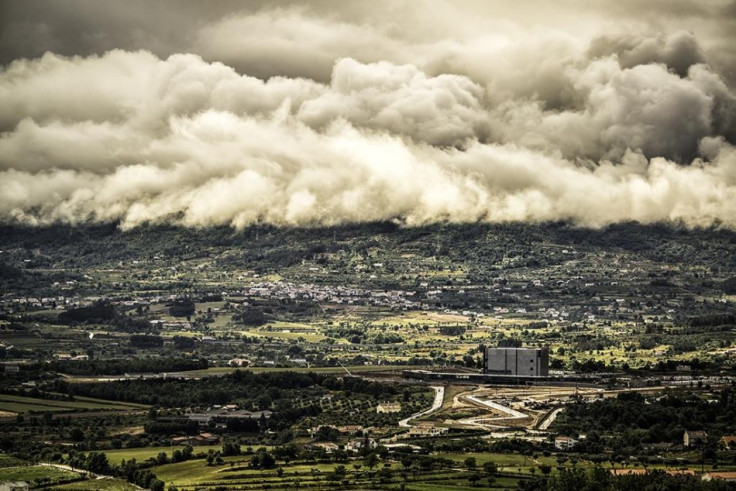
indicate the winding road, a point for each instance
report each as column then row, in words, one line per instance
column 550, row 418
column 482, row 421
column 439, row 396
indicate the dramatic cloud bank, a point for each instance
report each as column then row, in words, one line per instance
column 293, row 116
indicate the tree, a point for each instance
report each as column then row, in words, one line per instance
column 490, row 468
column 567, row 479
column 471, row 463
column 97, row 463
column 77, row 435
column 474, row 478
column 371, row 460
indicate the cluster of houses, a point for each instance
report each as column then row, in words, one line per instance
column 217, row 417
column 690, row 439
column 196, row 440
column 394, row 299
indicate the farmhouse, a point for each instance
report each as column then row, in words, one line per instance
column 388, row 407
column 565, row 442
column 14, row 486
column 692, row 438
column 196, row 440
column 356, row 445
column 326, row 446
column 728, row 442
column 719, row 476
column 427, row 431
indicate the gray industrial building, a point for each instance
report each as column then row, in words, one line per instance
column 527, row 362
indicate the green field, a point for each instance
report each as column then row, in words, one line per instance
column 9, row 461
column 37, row 473
column 98, row 484
column 507, row 462
column 235, row 474
column 21, row 404
column 144, row 453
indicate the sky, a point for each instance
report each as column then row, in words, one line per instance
column 310, row 113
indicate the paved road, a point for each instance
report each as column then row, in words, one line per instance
column 483, row 421
column 439, row 396
column 550, row 419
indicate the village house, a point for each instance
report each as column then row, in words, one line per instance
column 328, row 447
column 728, row 442
column 350, row 429
column 388, row 407
column 565, row 442
column 356, row 445
column 671, row 472
column 427, row 431
column 196, row 440
column 693, row 438
column 346, row 429
column 239, row 362
column 719, row 476
column 404, row 447
column 14, row 486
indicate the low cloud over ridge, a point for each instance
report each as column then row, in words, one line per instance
column 520, row 123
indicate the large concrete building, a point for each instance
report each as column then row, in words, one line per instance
column 528, row 362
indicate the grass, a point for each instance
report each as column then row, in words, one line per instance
column 195, row 473
column 309, row 337
column 36, row 472
column 505, row 461
column 144, row 453
column 10, row 461
column 98, row 484
column 461, row 485
column 120, row 404
column 22, row 404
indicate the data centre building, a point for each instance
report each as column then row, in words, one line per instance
column 527, row 362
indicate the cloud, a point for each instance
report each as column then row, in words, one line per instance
column 293, row 116
column 445, row 110
column 645, row 108
column 678, row 51
column 289, row 42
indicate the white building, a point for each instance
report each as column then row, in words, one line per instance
column 565, row 443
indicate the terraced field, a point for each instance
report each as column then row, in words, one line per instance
column 22, row 404
column 37, row 474
column 98, row 484
column 235, row 474
column 144, row 453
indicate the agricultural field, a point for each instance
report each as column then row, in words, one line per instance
column 116, row 456
column 98, row 485
column 20, row 405
column 38, row 474
column 234, row 474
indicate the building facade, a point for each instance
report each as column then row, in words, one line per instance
column 529, row 362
